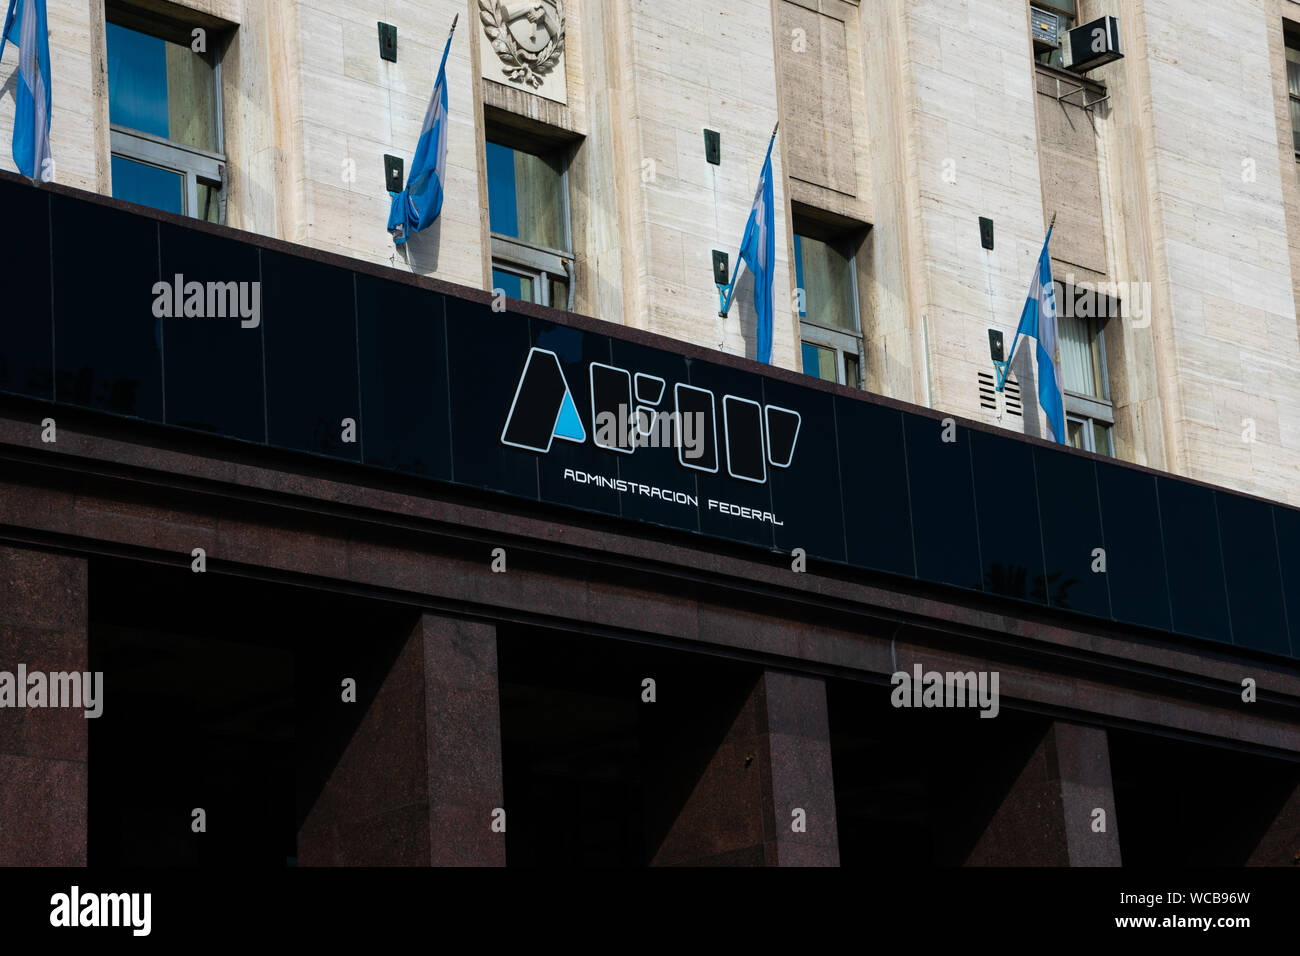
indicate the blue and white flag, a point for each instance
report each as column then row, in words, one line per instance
column 418, row 205
column 758, row 251
column 1038, row 321
column 25, row 28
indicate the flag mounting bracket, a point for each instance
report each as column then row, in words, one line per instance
column 1003, row 366
column 721, row 276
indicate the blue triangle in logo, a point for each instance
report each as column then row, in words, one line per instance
column 568, row 425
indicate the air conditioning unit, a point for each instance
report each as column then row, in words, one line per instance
column 1045, row 27
column 1091, row 45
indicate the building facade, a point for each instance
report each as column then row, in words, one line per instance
column 205, row 527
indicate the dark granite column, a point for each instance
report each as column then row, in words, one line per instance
column 772, row 757
column 799, row 772
column 43, row 751
column 420, row 778
column 1047, row 816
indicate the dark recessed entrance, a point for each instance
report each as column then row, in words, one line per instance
column 595, row 776
column 918, row 787
column 1184, row 804
column 221, row 694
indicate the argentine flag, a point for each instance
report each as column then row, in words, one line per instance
column 1039, row 322
column 418, row 205
column 758, row 251
column 25, row 28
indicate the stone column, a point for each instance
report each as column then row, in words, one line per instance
column 799, row 772
column 43, row 751
column 418, row 781
column 772, row 756
column 1047, row 816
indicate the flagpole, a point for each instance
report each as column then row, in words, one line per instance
column 725, row 298
column 1005, row 367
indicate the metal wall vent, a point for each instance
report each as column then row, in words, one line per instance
column 988, row 394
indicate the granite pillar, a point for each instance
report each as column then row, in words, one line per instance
column 43, row 751
column 1048, row 816
column 771, row 759
column 419, row 780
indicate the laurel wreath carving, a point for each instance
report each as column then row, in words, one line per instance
column 520, row 65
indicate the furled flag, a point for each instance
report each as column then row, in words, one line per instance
column 758, row 251
column 25, row 28
column 418, row 205
column 1038, row 321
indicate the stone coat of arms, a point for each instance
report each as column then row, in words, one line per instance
column 528, row 36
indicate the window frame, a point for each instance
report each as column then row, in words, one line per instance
column 828, row 336
column 1087, row 409
column 842, row 343
column 532, row 260
column 1291, row 45
column 196, row 166
column 526, row 262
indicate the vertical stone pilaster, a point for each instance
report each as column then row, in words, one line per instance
column 799, row 772
column 43, row 751
column 418, row 781
column 1046, row 817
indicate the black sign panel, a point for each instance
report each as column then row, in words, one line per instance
column 201, row 330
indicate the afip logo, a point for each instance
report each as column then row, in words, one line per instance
column 754, row 435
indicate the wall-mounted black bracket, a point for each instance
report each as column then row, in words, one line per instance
column 394, row 169
column 713, row 146
column 388, row 42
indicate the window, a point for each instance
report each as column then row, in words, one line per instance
column 827, row 298
column 1293, row 87
column 1068, row 13
column 1086, row 387
column 528, row 210
column 164, row 111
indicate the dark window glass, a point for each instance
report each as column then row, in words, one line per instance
column 26, row 343
column 161, row 88
column 148, row 185
column 825, row 274
column 722, row 496
column 486, row 355
column 1071, row 522
column 805, row 495
column 1192, row 555
column 514, row 286
column 819, row 362
column 576, row 351
column 1007, row 508
column 214, row 363
column 1287, row 523
column 943, row 503
column 656, row 467
column 1135, row 561
column 137, row 80
column 873, row 479
column 403, row 377
column 526, row 196
column 108, row 342
column 310, row 331
column 1254, row 577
